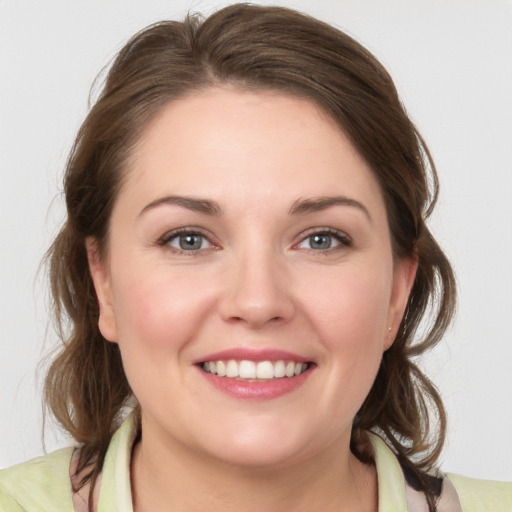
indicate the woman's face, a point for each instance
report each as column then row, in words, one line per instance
column 249, row 240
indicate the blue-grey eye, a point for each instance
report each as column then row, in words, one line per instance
column 189, row 242
column 323, row 241
column 320, row 241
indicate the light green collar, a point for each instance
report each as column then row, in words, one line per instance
column 115, row 493
column 391, row 483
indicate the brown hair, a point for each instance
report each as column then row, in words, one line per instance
column 257, row 48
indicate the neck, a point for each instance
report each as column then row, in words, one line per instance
column 165, row 478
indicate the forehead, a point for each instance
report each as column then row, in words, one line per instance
column 247, row 146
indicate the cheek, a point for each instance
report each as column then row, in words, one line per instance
column 157, row 311
column 348, row 311
column 157, row 316
column 349, row 301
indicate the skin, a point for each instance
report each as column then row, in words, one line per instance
column 255, row 282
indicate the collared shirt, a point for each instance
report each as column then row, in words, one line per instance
column 43, row 484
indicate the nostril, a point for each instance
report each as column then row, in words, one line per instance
column 256, row 296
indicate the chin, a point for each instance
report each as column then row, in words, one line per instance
column 264, row 446
column 261, row 457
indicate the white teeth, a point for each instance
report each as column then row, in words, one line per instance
column 279, row 370
column 265, row 370
column 221, row 369
column 246, row 369
column 232, row 369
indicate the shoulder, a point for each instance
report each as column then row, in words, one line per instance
column 39, row 485
column 482, row 495
column 459, row 493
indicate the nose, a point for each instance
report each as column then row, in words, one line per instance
column 257, row 292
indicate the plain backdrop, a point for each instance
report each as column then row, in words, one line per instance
column 452, row 63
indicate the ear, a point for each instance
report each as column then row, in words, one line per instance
column 404, row 274
column 102, row 284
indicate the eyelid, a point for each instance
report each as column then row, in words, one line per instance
column 164, row 240
column 342, row 237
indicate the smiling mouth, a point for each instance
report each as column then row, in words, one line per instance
column 246, row 370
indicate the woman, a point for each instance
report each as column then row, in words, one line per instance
column 245, row 263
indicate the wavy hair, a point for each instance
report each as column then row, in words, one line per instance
column 252, row 48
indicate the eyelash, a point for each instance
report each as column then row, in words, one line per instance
column 164, row 241
column 341, row 237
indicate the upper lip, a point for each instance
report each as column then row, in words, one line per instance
column 252, row 354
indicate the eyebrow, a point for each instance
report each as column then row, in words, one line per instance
column 191, row 203
column 301, row 206
column 316, row 204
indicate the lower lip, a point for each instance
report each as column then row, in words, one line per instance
column 262, row 390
